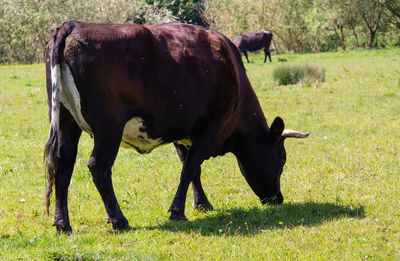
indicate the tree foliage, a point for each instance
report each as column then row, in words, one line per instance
column 26, row 24
column 298, row 25
column 393, row 6
column 186, row 11
column 310, row 25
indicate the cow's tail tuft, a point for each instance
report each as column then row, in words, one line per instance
column 51, row 147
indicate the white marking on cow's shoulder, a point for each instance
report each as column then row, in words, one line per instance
column 135, row 136
column 70, row 97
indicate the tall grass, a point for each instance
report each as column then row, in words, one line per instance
column 292, row 74
column 341, row 184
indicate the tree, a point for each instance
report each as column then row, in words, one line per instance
column 187, row 11
column 293, row 29
column 394, row 9
column 25, row 25
column 343, row 19
column 232, row 17
column 267, row 14
column 371, row 13
column 352, row 20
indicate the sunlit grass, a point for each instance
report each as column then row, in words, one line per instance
column 341, row 184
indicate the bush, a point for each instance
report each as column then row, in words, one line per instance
column 293, row 74
column 282, row 59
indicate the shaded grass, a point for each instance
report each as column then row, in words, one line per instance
column 258, row 220
column 341, row 184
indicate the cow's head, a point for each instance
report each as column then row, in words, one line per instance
column 261, row 161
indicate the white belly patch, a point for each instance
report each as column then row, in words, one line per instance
column 135, row 136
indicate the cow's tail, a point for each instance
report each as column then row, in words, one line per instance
column 51, row 148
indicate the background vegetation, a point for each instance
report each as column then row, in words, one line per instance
column 25, row 25
column 299, row 26
column 341, row 184
column 311, row 25
column 298, row 73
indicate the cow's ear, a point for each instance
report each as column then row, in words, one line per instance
column 276, row 129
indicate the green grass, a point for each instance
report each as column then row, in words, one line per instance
column 341, row 184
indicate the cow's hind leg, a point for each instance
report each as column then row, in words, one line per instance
column 68, row 138
column 106, row 144
column 200, row 199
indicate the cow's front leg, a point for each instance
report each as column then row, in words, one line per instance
column 68, row 137
column 200, row 199
column 177, row 208
column 267, row 53
column 104, row 153
column 245, row 55
column 200, row 150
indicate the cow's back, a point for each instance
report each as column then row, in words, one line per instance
column 174, row 79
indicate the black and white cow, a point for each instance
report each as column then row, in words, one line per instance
column 142, row 86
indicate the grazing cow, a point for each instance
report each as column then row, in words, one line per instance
column 254, row 42
column 144, row 86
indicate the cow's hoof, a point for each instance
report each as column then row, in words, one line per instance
column 62, row 226
column 176, row 215
column 203, row 206
column 119, row 224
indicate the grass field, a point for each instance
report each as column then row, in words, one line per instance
column 341, row 184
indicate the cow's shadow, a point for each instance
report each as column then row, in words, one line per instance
column 259, row 220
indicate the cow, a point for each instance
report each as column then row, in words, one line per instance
column 142, row 86
column 254, row 42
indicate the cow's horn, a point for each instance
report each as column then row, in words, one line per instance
column 294, row 134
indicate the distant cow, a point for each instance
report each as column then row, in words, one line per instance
column 254, row 42
column 144, row 86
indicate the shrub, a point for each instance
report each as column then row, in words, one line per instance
column 293, row 74
column 282, row 59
